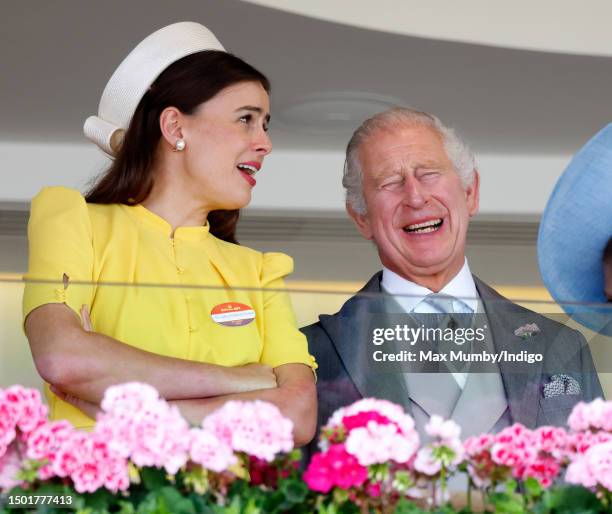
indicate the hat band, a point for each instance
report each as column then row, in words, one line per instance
column 104, row 134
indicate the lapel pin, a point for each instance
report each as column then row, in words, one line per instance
column 527, row 331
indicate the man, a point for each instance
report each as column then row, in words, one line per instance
column 411, row 188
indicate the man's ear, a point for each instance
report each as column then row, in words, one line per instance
column 473, row 194
column 361, row 220
column 170, row 125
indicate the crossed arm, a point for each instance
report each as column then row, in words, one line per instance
column 80, row 365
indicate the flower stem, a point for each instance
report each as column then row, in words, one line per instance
column 442, row 483
column 469, row 493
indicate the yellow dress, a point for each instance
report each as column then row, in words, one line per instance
column 157, row 293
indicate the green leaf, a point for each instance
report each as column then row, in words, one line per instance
column 126, row 507
column 511, row 486
column 99, row 500
column 153, row 478
column 506, row 503
column 405, row 506
column 533, row 487
column 573, row 500
column 150, row 505
column 294, row 491
column 175, row 501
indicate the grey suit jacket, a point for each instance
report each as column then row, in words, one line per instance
column 345, row 374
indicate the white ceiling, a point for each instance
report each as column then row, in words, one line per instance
column 546, row 25
column 57, row 56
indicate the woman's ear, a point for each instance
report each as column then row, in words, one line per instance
column 170, row 125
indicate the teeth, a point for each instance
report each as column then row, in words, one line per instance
column 425, row 230
column 247, row 167
column 429, row 223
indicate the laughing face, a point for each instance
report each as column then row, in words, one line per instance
column 417, row 209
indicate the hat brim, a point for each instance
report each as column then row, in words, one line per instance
column 575, row 228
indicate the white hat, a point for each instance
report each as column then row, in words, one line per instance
column 135, row 75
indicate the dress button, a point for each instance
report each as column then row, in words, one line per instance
column 192, row 329
column 180, row 270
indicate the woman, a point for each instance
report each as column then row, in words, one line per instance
column 186, row 124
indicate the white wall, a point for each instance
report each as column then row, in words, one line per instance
column 298, row 180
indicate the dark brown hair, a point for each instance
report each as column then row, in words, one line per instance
column 607, row 253
column 185, row 84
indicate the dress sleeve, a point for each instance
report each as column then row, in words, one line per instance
column 283, row 342
column 61, row 259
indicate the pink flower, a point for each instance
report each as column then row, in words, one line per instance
column 21, row 411
column 374, row 490
column 544, row 469
column 209, row 451
column 117, row 476
column 596, row 415
column 361, row 419
column 580, row 442
column 578, row 472
column 552, row 440
column 531, row 454
column 392, row 412
column 426, row 463
column 475, row 445
column 445, row 451
column 129, row 398
column 143, row 427
column 377, row 444
column 513, row 447
column 8, row 431
column 44, row 443
column 347, row 470
column 442, row 429
column 481, row 467
column 10, row 465
column 67, row 456
column 319, row 476
column 255, row 428
column 91, row 464
column 375, row 431
column 593, row 467
column 334, row 468
column 28, row 411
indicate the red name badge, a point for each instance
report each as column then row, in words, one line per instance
column 232, row 314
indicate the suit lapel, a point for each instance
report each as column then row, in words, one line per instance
column 350, row 333
column 522, row 388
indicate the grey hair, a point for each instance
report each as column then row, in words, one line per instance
column 457, row 150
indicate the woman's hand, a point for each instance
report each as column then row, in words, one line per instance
column 88, row 408
column 295, row 396
column 85, row 319
column 256, row 376
column 82, row 363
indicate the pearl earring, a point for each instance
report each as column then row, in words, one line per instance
column 180, row 144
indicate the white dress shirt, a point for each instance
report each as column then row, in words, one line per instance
column 410, row 296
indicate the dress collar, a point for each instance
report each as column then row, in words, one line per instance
column 193, row 233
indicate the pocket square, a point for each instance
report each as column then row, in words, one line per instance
column 561, row 384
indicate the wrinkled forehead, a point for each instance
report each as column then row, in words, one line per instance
column 402, row 145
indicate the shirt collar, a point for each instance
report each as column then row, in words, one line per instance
column 409, row 295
